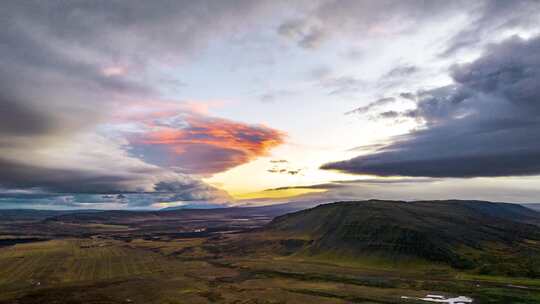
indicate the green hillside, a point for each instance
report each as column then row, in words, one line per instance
column 488, row 237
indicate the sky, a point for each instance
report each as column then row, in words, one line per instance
column 152, row 104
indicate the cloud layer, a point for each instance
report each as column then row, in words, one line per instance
column 485, row 124
column 198, row 144
column 107, row 98
column 70, row 69
column 323, row 21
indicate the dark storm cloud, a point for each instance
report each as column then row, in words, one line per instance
column 132, row 176
column 71, row 57
column 486, row 124
column 18, row 119
column 66, row 65
column 21, row 175
column 126, row 28
column 88, row 188
column 55, row 180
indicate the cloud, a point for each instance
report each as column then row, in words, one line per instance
column 105, row 168
column 24, row 175
column 140, row 200
column 78, row 82
column 494, row 17
column 284, row 171
column 107, row 28
column 375, row 104
column 16, row 119
column 72, row 71
column 279, row 161
column 200, row 144
column 358, row 182
column 349, row 85
column 510, row 189
column 282, row 166
column 324, row 20
column 481, row 21
column 308, row 36
column 401, row 71
column 343, row 85
column 408, row 95
column 388, row 115
column 485, row 124
column 66, row 63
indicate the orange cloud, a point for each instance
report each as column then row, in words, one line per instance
column 202, row 144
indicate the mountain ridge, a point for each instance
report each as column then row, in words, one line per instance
column 464, row 234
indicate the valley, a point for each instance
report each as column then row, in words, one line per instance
column 243, row 256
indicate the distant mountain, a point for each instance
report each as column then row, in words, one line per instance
column 492, row 237
column 34, row 215
column 173, row 213
column 94, row 215
column 290, row 206
column 535, row 207
column 90, row 215
column 123, row 224
column 193, row 206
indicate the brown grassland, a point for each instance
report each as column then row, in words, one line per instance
column 98, row 270
column 107, row 258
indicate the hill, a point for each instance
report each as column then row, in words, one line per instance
column 492, row 237
column 8, row 215
column 535, row 207
column 348, row 252
column 207, row 214
column 123, row 224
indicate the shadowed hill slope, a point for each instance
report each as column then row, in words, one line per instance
column 460, row 233
column 535, row 207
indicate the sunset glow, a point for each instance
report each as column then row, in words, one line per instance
column 268, row 102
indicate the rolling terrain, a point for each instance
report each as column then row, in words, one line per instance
column 130, row 224
column 535, row 207
column 496, row 237
column 347, row 252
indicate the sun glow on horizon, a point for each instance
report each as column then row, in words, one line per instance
column 275, row 194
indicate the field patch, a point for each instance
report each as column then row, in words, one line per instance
column 70, row 261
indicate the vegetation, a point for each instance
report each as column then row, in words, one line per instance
column 489, row 237
column 288, row 261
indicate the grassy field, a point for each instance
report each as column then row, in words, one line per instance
column 99, row 270
column 68, row 261
column 131, row 257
